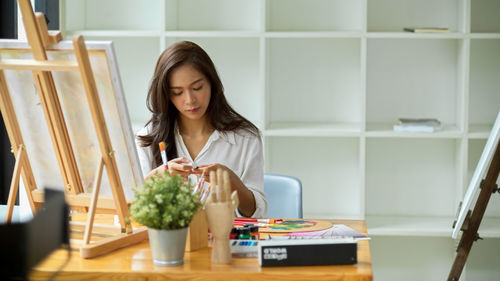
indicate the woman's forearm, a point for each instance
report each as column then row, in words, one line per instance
column 245, row 196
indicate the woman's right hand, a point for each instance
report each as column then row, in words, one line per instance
column 178, row 166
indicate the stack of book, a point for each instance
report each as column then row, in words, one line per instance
column 418, row 125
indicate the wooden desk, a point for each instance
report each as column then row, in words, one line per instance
column 135, row 263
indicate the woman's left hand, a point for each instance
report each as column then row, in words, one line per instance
column 246, row 198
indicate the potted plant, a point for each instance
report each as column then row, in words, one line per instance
column 166, row 205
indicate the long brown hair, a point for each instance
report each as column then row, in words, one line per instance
column 219, row 113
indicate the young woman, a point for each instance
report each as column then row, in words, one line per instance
column 191, row 115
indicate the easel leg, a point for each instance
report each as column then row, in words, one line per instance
column 93, row 203
column 462, row 254
column 16, row 138
column 14, row 185
column 102, row 132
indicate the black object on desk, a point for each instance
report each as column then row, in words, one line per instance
column 307, row 252
column 26, row 244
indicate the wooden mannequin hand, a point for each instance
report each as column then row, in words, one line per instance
column 246, row 198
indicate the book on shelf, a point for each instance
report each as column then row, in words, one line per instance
column 418, row 125
column 427, row 29
column 419, row 121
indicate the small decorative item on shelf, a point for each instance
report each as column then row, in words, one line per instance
column 166, row 205
column 220, row 215
column 417, row 125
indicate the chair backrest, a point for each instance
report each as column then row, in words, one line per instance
column 284, row 196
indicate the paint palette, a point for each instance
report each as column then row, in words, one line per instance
column 295, row 225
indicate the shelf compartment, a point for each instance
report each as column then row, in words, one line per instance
column 394, row 15
column 314, row 34
column 482, row 262
column 112, row 15
column 213, row 34
column 479, row 131
column 428, row 226
column 484, row 94
column 329, row 188
column 238, row 71
column 484, row 16
column 411, row 177
column 313, row 80
column 484, row 36
column 412, row 258
column 114, row 33
column 215, row 15
column 314, row 15
column 386, row 130
column 430, row 88
column 410, row 35
column 312, row 129
column 135, row 83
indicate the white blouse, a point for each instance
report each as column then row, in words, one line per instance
column 239, row 150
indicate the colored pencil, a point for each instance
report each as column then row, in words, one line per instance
column 250, row 220
column 259, row 224
column 201, row 181
column 205, row 192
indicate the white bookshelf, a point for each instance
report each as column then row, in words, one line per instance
column 325, row 80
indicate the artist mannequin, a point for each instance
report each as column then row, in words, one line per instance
column 201, row 131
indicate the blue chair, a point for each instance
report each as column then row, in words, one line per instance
column 284, row 196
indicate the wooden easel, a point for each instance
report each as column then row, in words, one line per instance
column 471, row 224
column 39, row 38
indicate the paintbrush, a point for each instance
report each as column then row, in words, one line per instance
column 163, row 154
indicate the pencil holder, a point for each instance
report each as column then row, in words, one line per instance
column 197, row 237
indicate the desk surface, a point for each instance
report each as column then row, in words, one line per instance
column 135, row 263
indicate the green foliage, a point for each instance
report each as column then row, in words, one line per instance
column 165, row 202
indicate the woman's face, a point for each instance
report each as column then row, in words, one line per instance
column 190, row 92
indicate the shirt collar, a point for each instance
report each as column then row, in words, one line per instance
column 226, row 136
